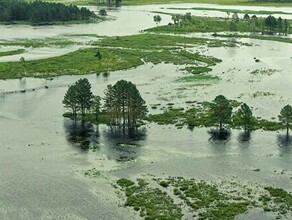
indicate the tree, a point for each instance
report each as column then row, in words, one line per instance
column 102, row 12
column 280, row 25
column 245, row 117
column 285, row 117
column 70, row 100
column 124, row 103
column 157, row 19
column 83, row 95
column 246, row 17
column 235, row 16
column 286, row 26
column 221, row 111
column 96, row 105
column 79, row 97
column 271, row 22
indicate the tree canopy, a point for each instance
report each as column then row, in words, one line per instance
column 286, row 117
column 41, row 12
column 124, row 103
column 79, row 97
column 221, row 111
column 245, row 118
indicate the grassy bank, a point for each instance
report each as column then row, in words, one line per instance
column 11, row 52
column 258, row 37
column 251, row 12
column 111, row 54
column 37, row 43
column 208, row 24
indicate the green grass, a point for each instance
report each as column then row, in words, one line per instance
column 82, row 61
column 250, row 12
column 270, row 38
column 164, row 198
column 209, row 24
column 201, row 116
column 197, row 69
column 11, row 52
column 37, row 43
column 117, row 53
column 198, row 77
column 152, row 203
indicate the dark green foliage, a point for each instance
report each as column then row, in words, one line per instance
column 96, row 106
column 152, row 202
column 124, row 103
column 79, row 96
column 125, row 182
column 246, row 17
column 102, row 12
column 286, row 117
column 244, row 118
column 271, row 22
column 221, row 111
column 38, row 12
column 157, row 19
column 70, row 99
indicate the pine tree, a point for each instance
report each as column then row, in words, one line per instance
column 286, row 117
column 221, row 111
column 245, row 117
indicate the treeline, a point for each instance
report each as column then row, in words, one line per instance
column 123, row 104
column 276, row 1
column 41, row 12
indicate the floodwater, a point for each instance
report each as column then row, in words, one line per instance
column 44, row 157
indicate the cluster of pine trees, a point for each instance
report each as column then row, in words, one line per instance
column 221, row 113
column 123, row 103
column 41, row 12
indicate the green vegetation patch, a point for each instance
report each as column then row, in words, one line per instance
column 195, row 78
column 277, row 200
column 259, row 37
column 11, row 52
column 225, row 199
column 197, row 69
column 36, row 43
column 83, row 61
column 109, row 54
column 253, row 12
column 190, row 24
column 201, row 115
column 152, row 203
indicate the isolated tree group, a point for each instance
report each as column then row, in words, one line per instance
column 122, row 102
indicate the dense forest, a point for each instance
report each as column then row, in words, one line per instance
column 41, row 12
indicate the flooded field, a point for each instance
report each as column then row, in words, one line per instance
column 55, row 168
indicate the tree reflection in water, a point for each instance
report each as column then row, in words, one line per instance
column 244, row 139
column 284, row 142
column 124, row 143
column 81, row 134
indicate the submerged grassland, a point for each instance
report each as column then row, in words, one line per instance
column 178, row 197
column 114, row 53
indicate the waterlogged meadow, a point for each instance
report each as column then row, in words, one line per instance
column 173, row 166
